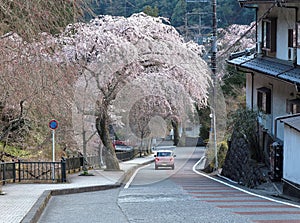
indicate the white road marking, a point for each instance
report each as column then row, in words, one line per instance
column 133, row 176
column 240, row 189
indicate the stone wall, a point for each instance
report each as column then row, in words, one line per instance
column 239, row 166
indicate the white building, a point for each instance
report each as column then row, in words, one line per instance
column 273, row 79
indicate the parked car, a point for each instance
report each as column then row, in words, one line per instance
column 165, row 158
column 123, row 148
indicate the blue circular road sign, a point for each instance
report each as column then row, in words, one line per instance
column 53, row 124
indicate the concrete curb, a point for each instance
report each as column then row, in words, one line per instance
column 37, row 209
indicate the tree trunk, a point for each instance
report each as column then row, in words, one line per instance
column 84, row 144
column 111, row 159
column 176, row 132
column 141, row 146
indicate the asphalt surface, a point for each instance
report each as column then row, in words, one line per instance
column 166, row 195
column 26, row 202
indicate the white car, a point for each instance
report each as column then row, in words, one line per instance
column 165, row 158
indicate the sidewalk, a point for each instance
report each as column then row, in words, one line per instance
column 25, row 202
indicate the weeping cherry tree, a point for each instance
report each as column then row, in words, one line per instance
column 115, row 52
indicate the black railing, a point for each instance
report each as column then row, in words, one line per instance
column 74, row 164
column 24, row 171
column 127, row 155
column 41, row 171
column 7, row 172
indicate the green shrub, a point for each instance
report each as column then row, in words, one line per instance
column 222, row 148
column 222, row 151
column 9, row 152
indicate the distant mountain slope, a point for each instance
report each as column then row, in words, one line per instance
column 228, row 11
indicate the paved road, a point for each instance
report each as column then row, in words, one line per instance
column 166, row 195
column 235, row 202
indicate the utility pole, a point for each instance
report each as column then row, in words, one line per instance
column 193, row 27
column 214, row 73
column 214, row 40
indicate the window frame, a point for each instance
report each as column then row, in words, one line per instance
column 291, row 38
column 269, row 34
column 293, row 106
column 297, row 34
column 264, row 100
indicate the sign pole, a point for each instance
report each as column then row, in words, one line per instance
column 53, row 155
column 53, row 145
column 53, row 124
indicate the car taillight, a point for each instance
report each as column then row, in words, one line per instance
column 171, row 158
column 157, row 159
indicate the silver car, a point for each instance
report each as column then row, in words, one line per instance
column 165, row 158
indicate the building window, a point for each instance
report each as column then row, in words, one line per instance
column 269, row 30
column 291, row 38
column 293, row 106
column 291, row 44
column 298, row 30
column 264, row 100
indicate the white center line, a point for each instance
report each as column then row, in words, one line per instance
column 133, row 176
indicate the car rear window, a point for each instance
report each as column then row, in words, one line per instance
column 163, row 153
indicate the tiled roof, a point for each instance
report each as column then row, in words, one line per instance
column 265, row 1
column 269, row 66
column 255, row 1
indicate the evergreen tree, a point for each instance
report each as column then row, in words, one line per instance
column 151, row 11
column 178, row 15
column 228, row 11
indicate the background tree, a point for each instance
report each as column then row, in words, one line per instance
column 119, row 51
column 34, row 90
column 175, row 104
column 178, row 16
column 205, row 123
column 228, row 11
column 143, row 111
column 34, row 86
column 29, row 18
column 85, row 134
column 151, row 11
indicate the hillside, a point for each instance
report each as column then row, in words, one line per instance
column 228, row 11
